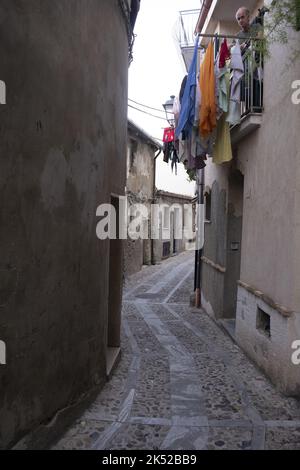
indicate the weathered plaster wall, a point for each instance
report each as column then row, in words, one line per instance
column 140, row 172
column 139, row 187
column 62, row 147
column 270, row 254
column 274, row 353
column 214, row 250
column 269, row 160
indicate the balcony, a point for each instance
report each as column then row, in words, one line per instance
column 252, row 83
column 251, row 92
column 216, row 19
column 186, row 34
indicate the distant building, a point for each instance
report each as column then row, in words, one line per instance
column 140, row 189
column 177, row 213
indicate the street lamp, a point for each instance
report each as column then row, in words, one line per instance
column 168, row 107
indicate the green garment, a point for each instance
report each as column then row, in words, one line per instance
column 222, row 152
column 223, row 90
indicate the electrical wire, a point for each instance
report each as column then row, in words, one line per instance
column 145, row 106
column 145, row 112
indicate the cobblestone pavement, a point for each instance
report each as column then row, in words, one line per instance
column 182, row 384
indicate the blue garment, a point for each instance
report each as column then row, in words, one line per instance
column 187, row 113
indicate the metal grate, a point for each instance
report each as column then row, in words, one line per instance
column 166, row 249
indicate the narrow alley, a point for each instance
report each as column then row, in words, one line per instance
column 181, row 384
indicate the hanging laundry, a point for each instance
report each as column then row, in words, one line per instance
column 169, row 134
column 237, row 66
column 187, row 113
column 223, row 92
column 224, row 54
column 208, row 119
column 221, row 87
column 182, row 151
column 222, row 151
column 197, row 104
column 176, row 110
column 182, row 88
column 168, row 147
column 174, row 160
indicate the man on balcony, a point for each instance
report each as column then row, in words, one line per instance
column 248, row 30
column 253, row 101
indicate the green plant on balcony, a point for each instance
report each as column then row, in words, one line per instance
column 284, row 16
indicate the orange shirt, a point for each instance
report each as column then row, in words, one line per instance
column 208, row 110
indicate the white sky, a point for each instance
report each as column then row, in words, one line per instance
column 156, row 73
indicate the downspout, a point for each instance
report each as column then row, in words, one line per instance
column 200, row 179
column 199, row 250
column 153, row 200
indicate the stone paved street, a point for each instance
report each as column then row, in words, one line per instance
column 181, row 384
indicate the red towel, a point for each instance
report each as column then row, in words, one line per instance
column 169, row 135
column 224, row 54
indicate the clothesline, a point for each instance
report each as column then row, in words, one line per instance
column 223, row 36
column 207, row 107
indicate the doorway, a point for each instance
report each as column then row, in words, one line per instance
column 234, row 245
column 114, row 295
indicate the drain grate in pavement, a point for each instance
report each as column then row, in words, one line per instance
column 147, row 296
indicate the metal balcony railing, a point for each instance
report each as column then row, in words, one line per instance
column 253, row 81
column 187, row 23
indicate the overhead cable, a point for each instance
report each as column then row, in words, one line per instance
column 145, row 112
column 145, row 106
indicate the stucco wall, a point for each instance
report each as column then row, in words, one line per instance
column 62, row 149
column 272, row 353
column 270, row 160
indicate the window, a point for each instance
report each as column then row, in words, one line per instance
column 207, row 207
column 263, row 322
column 166, row 223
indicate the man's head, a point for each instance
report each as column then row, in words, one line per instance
column 243, row 18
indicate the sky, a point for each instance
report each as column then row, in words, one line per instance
column 155, row 74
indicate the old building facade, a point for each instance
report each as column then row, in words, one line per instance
column 175, row 224
column 142, row 151
column 250, row 267
column 63, row 153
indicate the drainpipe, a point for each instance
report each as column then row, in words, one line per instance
column 153, row 200
column 199, row 252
